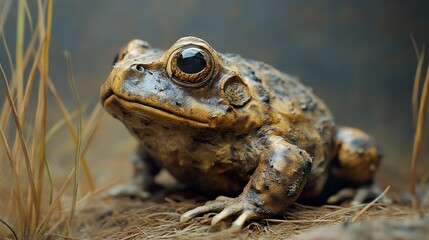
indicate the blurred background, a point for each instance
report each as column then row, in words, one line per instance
column 357, row 56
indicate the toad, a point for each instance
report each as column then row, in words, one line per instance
column 232, row 128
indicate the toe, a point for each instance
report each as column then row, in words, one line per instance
column 226, row 213
column 193, row 213
column 237, row 225
column 212, row 207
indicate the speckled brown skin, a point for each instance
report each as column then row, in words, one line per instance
column 246, row 130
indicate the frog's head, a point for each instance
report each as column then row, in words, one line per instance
column 189, row 84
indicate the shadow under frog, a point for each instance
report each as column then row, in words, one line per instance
column 231, row 127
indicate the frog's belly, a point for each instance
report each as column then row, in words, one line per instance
column 211, row 185
column 203, row 160
column 211, row 177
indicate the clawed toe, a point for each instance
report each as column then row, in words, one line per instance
column 226, row 213
column 237, row 225
column 212, row 207
column 227, row 207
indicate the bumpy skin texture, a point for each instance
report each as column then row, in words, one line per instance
column 245, row 130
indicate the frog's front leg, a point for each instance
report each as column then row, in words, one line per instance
column 276, row 183
column 145, row 169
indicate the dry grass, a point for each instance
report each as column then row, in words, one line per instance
column 33, row 198
column 35, row 205
column 110, row 218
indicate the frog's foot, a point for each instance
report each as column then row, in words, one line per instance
column 131, row 189
column 359, row 195
column 226, row 207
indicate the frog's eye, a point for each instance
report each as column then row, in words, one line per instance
column 191, row 67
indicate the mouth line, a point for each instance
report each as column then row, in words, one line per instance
column 153, row 111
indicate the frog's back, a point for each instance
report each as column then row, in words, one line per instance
column 283, row 90
column 297, row 114
column 290, row 97
column 286, row 94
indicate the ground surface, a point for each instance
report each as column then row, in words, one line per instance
column 158, row 218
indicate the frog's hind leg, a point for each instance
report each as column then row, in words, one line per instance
column 358, row 156
column 145, row 169
column 355, row 165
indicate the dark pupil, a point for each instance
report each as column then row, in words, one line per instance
column 191, row 61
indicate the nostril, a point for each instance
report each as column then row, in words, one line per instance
column 137, row 68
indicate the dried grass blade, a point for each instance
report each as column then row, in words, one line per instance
column 416, row 48
column 93, row 121
column 79, row 134
column 44, row 88
column 30, row 49
column 19, row 201
column 416, row 86
column 370, row 204
column 10, row 229
column 93, row 126
column 8, row 54
column 418, row 139
column 51, row 182
column 63, row 109
column 4, row 115
column 72, row 132
column 39, row 139
column 55, row 202
column 21, row 138
column 58, row 125
column 57, row 224
column 30, row 82
column 85, row 165
column 19, row 50
column 91, row 137
column 4, row 6
column 28, row 13
column 48, row 36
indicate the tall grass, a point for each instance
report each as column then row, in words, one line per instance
column 31, row 201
